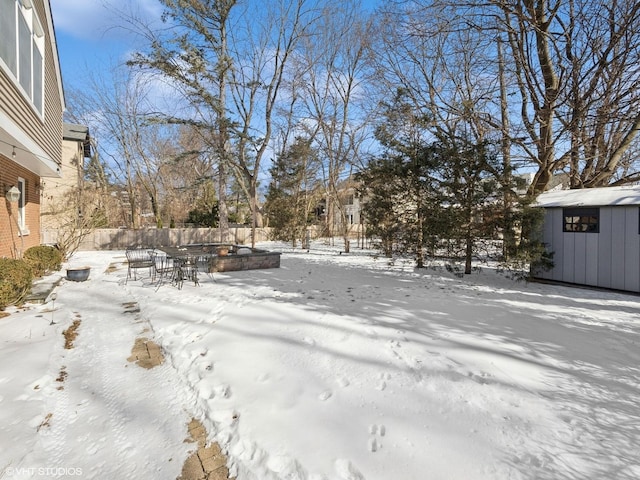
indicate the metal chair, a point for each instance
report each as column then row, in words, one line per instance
column 185, row 268
column 163, row 268
column 137, row 258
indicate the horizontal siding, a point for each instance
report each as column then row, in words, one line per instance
column 15, row 106
column 52, row 133
column 47, row 134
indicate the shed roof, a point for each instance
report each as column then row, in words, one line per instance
column 590, row 197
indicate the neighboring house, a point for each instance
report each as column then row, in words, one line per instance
column 58, row 194
column 349, row 215
column 595, row 236
column 31, row 106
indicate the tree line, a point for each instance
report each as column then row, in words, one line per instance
column 256, row 111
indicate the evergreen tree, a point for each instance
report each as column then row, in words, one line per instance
column 400, row 198
column 206, row 212
column 469, row 181
column 292, row 193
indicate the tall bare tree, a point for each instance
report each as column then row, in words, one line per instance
column 192, row 55
column 570, row 71
column 262, row 47
column 115, row 110
column 335, row 69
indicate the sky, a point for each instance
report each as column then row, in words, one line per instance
column 331, row 367
column 91, row 36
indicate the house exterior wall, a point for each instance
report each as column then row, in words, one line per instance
column 608, row 259
column 11, row 242
column 46, row 133
column 35, row 138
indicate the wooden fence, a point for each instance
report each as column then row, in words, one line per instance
column 120, row 238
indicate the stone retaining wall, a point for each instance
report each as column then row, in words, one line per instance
column 249, row 261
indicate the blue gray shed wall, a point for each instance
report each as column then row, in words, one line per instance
column 608, row 259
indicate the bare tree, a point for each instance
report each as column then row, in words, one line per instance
column 136, row 150
column 231, row 78
column 191, row 55
column 569, row 72
column 262, row 48
column 335, row 70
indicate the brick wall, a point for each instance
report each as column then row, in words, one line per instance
column 10, row 241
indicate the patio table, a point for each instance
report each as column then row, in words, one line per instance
column 188, row 258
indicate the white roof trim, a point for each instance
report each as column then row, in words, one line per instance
column 590, row 197
column 30, row 155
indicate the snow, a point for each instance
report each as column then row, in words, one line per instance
column 334, row 366
column 590, row 197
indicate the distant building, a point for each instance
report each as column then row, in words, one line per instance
column 595, row 236
column 57, row 193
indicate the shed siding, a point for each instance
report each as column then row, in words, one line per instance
column 581, row 257
column 632, row 249
column 554, row 217
column 592, row 263
column 608, row 259
column 617, row 247
column 568, row 258
column 605, row 251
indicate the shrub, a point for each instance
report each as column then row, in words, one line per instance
column 15, row 281
column 43, row 259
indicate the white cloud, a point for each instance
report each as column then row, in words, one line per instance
column 100, row 19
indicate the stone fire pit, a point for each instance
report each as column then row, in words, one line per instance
column 240, row 257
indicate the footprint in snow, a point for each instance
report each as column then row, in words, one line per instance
column 222, row 391
column 375, row 429
column 343, row 382
column 326, row 395
column 374, row 444
column 382, row 384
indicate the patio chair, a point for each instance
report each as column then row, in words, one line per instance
column 163, row 268
column 137, row 258
column 185, row 268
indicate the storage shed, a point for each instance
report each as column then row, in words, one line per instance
column 595, row 236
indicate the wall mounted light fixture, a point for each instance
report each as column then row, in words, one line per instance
column 13, row 194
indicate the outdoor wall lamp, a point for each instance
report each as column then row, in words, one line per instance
column 13, row 194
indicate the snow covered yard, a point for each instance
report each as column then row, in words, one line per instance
column 331, row 367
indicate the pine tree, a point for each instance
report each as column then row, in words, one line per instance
column 292, row 195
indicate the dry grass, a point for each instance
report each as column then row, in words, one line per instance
column 62, row 377
column 70, row 334
column 45, row 422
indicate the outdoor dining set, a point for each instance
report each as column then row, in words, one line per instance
column 174, row 264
